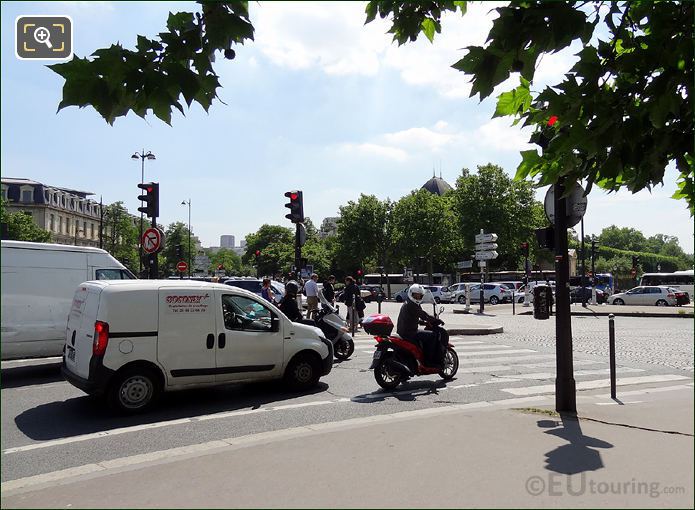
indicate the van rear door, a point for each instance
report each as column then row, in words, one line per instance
column 80, row 330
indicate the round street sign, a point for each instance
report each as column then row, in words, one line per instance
column 181, row 267
column 152, row 240
column 575, row 205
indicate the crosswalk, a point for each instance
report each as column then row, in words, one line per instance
column 524, row 371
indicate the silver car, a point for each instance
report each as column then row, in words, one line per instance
column 659, row 296
column 493, row 293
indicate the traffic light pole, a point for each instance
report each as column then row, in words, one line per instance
column 297, row 250
column 582, row 282
column 565, row 389
column 153, row 259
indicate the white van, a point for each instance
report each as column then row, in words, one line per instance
column 38, row 284
column 130, row 340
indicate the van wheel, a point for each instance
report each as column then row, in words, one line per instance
column 494, row 300
column 303, row 372
column 133, row 390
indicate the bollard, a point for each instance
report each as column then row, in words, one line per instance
column 468, row 298
column 611, row 348
column 353, row 322
column 513, row 303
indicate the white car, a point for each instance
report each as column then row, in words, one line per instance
column 440, row 293
column 659, row 296
column 493, row 293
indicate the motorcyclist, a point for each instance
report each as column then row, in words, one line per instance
column 409, row 317
column 288, row 304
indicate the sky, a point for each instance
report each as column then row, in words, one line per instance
column 318, row 102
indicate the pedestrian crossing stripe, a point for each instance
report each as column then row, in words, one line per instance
column 591, row 385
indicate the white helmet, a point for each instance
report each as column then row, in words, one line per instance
column 416, row 293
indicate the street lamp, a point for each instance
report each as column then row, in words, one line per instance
column 189, row 235
column 142, row 156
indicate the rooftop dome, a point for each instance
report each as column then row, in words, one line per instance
column 437, row 185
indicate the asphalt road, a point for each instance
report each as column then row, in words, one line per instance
column 48, row 425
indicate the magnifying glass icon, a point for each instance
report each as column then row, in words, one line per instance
column 43, row 36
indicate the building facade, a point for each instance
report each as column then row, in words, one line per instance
column 227, row 241
column 67, row 214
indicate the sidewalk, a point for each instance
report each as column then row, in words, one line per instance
column 634, row 453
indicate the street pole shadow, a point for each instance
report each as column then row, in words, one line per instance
column 580, row 454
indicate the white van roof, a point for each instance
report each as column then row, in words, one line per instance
column 51, row 246
column 135, row 285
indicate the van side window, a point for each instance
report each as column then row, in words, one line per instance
column 245, row 314
column 113, row 274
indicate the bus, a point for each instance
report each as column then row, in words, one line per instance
column 604, row 282
column 681, row 280
column 398, row 282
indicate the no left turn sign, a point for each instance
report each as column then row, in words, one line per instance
column 152, row 240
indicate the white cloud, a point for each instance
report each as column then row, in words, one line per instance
column 499, row 134
column 372, row 149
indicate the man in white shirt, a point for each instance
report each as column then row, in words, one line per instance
column 312, row 296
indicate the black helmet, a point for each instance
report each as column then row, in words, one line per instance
column 292, row 288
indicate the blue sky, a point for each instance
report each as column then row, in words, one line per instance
column 318, row 102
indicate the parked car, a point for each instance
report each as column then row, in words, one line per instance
column 578, row 294
column 515, row 286
column 682, row 298
column 643, row 295
column 440, row 293
column 459, row 292
column 403, row 295
column 493, row 293
column 519, row 295
column 254, row 285
column 374, row 292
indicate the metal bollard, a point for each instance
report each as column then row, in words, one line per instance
column 353, row 322
column 513, row 303
column 611, row 348
column 468, row 298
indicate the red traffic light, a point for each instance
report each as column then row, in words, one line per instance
column 359, row 272
column 294, row 196
column 552, row 120
column 258, row 253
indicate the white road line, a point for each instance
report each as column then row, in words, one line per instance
column 482, row 361
column 590, row 385
column 551, row 364
column 31, row 361
column 551, row 375
column 490, row 368
column 479, row 347
column 483, row 353
column 618, row 403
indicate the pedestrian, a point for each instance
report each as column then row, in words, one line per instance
column 288, row 304
column 311, row 290
column 267, row 292
column 353, row 298
column 328, row 290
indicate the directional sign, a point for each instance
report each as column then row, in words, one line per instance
column 152, row 240
column 464, row 264
column 485, row 238
column 182, row 267
column 485, row 246
column 485, row 255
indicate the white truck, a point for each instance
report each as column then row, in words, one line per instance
column 128, row 341
column 38, row 283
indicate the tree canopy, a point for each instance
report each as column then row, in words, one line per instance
column 620, row 116
column 21, row 226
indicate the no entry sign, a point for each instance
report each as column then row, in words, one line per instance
column 182, row 267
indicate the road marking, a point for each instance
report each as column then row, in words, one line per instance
column 590, row 385
column 507, row 358
column 32, row 361
column 552, row 375
column 551, row 364
column 618, row 403
column 170, row 455
column 478, row 347
column 483, row 353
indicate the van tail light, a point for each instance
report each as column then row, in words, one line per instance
column 101, row 338
column 670, row 295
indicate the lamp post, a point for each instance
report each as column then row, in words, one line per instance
column 142, row 156
column 189, row 235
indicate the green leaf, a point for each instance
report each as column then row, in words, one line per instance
column 429, row 28
column 514, row 102
column 530, row 160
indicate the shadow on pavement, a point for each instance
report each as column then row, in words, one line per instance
column 86, row 415
column 580, row 454
column 16, row 377
column 408, row 392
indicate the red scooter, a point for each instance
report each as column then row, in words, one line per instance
column 396, row 359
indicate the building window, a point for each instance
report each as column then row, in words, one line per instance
column 53, row 221
column 27, row 196
column 91, row 227
column 60, row 224
column 84, row 229
column 4, row 193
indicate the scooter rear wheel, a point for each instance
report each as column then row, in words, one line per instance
column 386, row 378
column 451, row 365
column 343, row 349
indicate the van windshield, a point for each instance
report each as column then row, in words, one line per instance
column 114, row 274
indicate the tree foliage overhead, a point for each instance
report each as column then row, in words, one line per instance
column 154, row 76
column 621, row 115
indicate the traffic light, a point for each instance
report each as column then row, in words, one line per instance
column 296, row 206
column 151, row 199
column 524, row 249
column 179, row 251
column 257, row 254
column 546, row 238
column 635, row 261
column 220, row 267
column 544, row 136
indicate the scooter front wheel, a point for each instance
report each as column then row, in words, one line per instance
column 343, row 349
column 385, row 377
column 451, row 365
